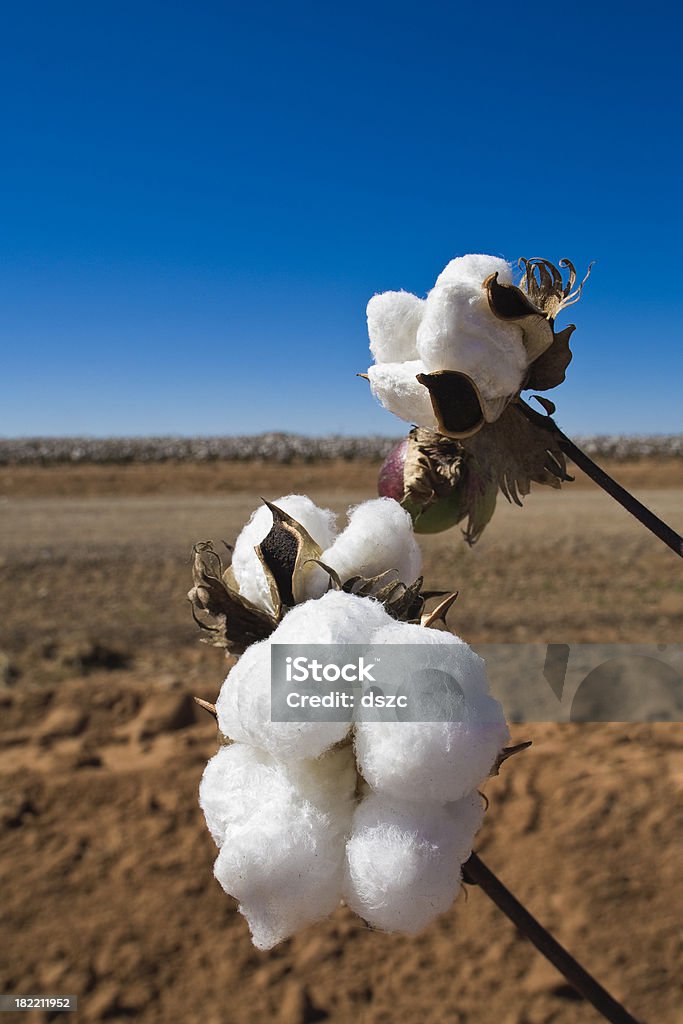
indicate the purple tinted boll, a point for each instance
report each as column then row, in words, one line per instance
column 390, row 483
column 423, row 472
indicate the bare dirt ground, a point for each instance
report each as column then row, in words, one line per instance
column 106, row 886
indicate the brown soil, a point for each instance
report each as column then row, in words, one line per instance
column 105, row 863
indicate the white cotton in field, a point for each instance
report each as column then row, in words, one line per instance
column 225, row 788
column 441, row 760
column 238, row 774
column 396, row 387
column 246, row 566
column 282, row 855
column 393, row 320
column 473, row 269
column 452, row 329
column 403, row 859
column 244, row 708
column 329, row 782
column 459, row 332
column 379, row 537
column 335, row 618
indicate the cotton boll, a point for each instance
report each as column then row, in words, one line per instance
column 456, row 330
column 244, row 703
column 232, row 784
column 473, row 269
column 335, row 618
column 237, row 775
column 329, row 781
column 393, row 320
column 459, row 332
column 443, row 760
column 466, row 817
column 283, row 851
column 249, row 574
column 403, row 859
column 379, row 537
column 439, row 761
column 244, row 707
column 396, row 387
column 410, row 633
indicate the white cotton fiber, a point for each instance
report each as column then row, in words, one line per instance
column 335, row 618
column 329, row 782
column 227, row 784
column 403, row 859
column 249, row 574
column 455, row 330
column 473, row 269
column 244, row 703
column 393, row 320
column 396, row 387
column 438, row 761
column 379, row 537
column 282, row 854
column 459, row 332
column 244, row 707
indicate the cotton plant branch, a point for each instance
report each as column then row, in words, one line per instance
column 475, row 872
column 643, row 514
column 308, row 813
column 454, row 365
column 380, row 820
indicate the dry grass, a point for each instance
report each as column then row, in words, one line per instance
column 184, row 478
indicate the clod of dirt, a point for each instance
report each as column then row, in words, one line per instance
column 165, row 712
column 62, row 721
column 297, row 1007
column 94, row 656
column 15, row 808
column 8, row 672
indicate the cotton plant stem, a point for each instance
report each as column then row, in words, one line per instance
column 476, row 873
column 643, row 514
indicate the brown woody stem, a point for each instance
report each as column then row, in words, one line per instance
column 643, row 514
column 475, row 872
column 211, row 708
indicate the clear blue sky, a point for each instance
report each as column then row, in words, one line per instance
column 198, row 199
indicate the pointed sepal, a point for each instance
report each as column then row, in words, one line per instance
column 286, row 553
column 512, row 305
column 230, row 620
column 456, row 401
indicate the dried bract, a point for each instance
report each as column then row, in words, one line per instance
column 230, row 619
column 444, row 481
column 375, row 556
column 285, row 553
